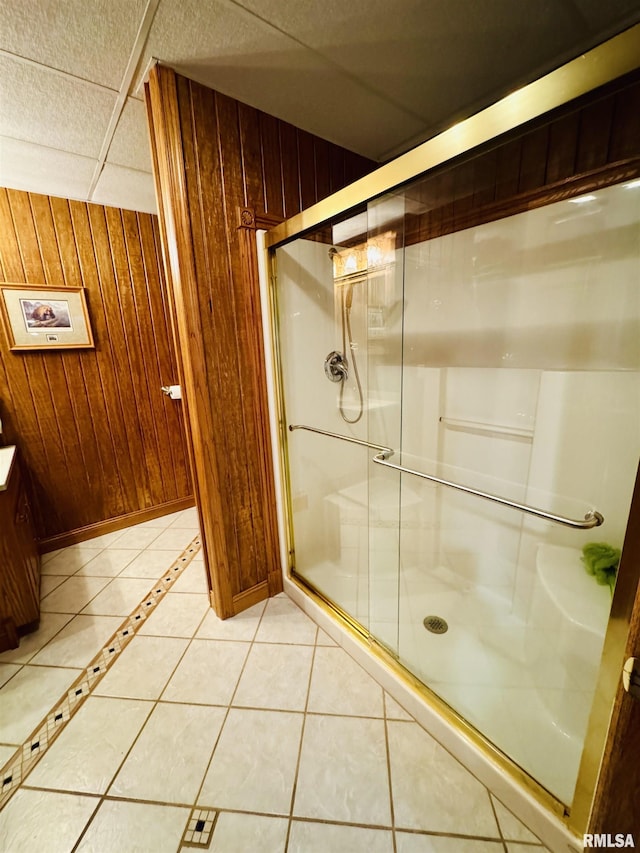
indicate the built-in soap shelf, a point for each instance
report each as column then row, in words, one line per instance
column 574, row 593
column 487, row 428
column 569, row 615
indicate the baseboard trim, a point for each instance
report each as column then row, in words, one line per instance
column 109, row 525
column 244, row 600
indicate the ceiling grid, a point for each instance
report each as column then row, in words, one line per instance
column 374, row 76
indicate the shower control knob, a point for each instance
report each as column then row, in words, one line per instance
column 335, row 367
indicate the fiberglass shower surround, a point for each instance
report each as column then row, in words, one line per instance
column 502, row 362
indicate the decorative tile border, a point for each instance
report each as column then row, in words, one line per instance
column 27, row 756
column 199, row 828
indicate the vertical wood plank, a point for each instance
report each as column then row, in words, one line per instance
column 290, row 169
column 533, row 159
column 594, row 135
column 251, row 158
column 563, row 146
column 271, row 165
column 307, row 169
column 91, row 452
column 208, row 148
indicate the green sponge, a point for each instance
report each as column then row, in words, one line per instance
column 601, row 560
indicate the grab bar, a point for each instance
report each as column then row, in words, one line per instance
column 592, row 518
column 342, row 437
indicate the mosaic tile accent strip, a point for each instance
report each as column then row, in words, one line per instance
column 27, row 756
column 199, row 828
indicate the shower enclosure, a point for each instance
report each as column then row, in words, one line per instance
column 461, row 413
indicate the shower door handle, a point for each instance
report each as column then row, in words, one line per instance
column 591, row 519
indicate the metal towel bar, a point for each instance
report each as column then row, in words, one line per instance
column 592, row 518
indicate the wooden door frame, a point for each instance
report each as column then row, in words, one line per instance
column 614, row 807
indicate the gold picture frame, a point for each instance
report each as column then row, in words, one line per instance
column 41, row 317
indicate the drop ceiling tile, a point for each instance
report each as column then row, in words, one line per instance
column 438, row 61
column 126, row 188
column 35, row 168
column 230, row 50
column 130, row 144
column 90, row 40
column 614, row 14
column 49, row 109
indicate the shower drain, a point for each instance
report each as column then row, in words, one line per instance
column 435, row 624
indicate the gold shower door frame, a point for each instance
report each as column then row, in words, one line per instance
column 605, row 63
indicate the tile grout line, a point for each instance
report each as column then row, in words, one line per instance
column 389, row 778
column 294, row 787
column 195, row 807
column 155, row 702
column 495, row 815
column 29, row 753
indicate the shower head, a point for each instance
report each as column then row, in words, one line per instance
column 348, row 299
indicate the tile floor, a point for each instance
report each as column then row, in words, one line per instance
column 135, row 720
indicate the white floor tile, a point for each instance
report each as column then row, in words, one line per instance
column 173, row 537
column 119, row 598
column 134, row 827
column 190, row 732
column 137, row 537
column 393, row 711
column 187, row 518
column 88, row 752
column 338, row 754
column 512, row 828
column 423, row 776
column 45, row 558
column 163, row 521
column 240, row 627
column 109, row 562
column 340, row 686
column 284, row 622
column 69, row 560
column 311, row 837
column 72, row 595
column 7, row 671
column 6, row 752
column 208, row 673
column 143, row 668
column 150, row 564
column 177, row 615
column 324, row 639
column 275, row 676
column 254, row 763
column 192, row 579
column 44, row 821
column 49, row 582
column 78, row 642
column 28, row 698
column 408, row 842
column 239, row 833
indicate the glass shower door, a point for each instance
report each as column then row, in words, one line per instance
column 340, row 337
column 520, row 379
column 503, row 358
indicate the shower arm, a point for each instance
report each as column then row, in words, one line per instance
column 591, row 519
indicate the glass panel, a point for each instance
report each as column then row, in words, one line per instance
column 339, row 316
column 520, row 378
column 504, row 357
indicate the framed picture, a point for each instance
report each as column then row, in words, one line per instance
column 44, row 317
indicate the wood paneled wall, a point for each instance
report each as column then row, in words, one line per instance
column 223, row 167
column 589, row 143
column 102, row 446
